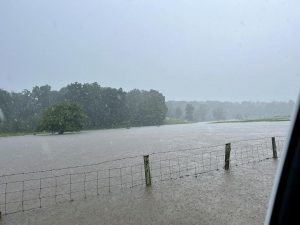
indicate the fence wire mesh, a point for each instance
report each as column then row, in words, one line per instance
column 32, row 190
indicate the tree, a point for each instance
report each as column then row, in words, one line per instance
column 219, row 114
column 189, row 112
column 105, row 107
column 5, row 110
column 201, row 113
column 23, row 115
column 145, row 108
column 238, row 116
column 62, row 117
column 41, row 96
column 178, row 112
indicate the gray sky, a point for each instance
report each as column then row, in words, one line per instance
column 187, row 49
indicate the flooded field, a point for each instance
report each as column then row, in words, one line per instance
column 27, row 153
column 216, row 197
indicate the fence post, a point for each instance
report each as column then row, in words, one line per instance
column 40, row 193
column 5, row 199
column 147, row 170
column 70, row 187
column 97, row 182
column 274, row 148
column 227, row 156
column 23, row 195
column 84, row 181
column 108, row 180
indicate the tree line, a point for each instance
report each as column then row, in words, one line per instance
column 215, row 110
column 104, row 107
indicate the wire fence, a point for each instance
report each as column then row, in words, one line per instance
column 37, row 189
column 177, row 164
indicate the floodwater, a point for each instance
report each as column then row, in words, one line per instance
column 35, row 152
column 218, row 197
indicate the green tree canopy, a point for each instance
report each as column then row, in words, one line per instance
column 62, row 117
column 104, row 107
column 146, row 107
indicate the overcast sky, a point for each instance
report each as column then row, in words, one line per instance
column 187, row 49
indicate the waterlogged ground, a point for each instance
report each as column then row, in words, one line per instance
column 237, row 197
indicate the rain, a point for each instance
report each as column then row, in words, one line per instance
column 144, row 112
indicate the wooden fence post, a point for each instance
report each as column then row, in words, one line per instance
column 227, row 156
column 274, row 148
column 147, row 170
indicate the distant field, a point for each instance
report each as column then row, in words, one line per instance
column 170, row 121
column 167, row 121
column 279, row 119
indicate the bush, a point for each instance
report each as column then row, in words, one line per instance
column 62, row 117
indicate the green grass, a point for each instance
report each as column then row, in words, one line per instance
column 170, row 121
column 273, row 119
column 9, row 134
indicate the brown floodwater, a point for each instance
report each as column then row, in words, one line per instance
column 218, row 197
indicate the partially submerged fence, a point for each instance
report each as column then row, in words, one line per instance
column 31, row 190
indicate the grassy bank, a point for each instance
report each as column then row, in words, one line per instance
column 8, row 134
column 170, row 121
column 274, row 119
column 167, row 121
